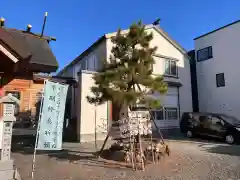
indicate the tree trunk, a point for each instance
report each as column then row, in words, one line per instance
column 115, row 111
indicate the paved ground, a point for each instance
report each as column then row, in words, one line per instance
column 188, row 161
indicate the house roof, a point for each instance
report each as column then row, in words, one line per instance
column 160, row 31
column 12, row 44
column 235, row 22
column 84, row 53
column 27, row 45
column 172, row 41
column 109, row 35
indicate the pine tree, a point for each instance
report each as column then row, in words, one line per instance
column 127, row 79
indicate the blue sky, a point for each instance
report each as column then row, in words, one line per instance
column 78, row 23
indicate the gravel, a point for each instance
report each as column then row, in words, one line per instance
column 188, row 161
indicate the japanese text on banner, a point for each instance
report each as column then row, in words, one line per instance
column 51, row 122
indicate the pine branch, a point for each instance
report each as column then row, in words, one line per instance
column 130, row 64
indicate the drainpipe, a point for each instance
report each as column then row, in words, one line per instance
column 178, row 96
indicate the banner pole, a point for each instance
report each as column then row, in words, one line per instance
column 37, row 134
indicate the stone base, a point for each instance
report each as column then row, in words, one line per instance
column 6, row 170
column 82, row 138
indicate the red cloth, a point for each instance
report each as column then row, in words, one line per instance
column 1, row 92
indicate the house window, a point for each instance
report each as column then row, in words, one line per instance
column 220, row 80
column 170, row 67
column 165, row 114
column 171, row 113
column 204, row 54
column 157, row 114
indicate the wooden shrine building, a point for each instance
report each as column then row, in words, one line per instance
column 23, row 54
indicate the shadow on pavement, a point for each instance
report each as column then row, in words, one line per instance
column 73, row 156
column 216, row 146
column 28, row 149
column 171, row 134
column 65, row 154
column 232, row 150
column 175, row 134
column 110, row 166
column 88, row 158
column 59, row 155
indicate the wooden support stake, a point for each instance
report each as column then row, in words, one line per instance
column 141, row 152
column 140, row 146
column 153, row 158
column 132, row 154
column 158, row 130
column 104, row 143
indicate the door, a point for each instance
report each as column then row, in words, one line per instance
column 168, row 115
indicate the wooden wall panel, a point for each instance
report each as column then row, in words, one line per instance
column 30, row 93
column 18, row 84
column 25, row 99
column 35, row 100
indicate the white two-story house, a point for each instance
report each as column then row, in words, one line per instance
column 217, row 55
column 171, row 60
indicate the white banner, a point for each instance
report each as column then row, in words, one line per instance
column 52, row 116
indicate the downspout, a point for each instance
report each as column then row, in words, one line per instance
column 178, row 97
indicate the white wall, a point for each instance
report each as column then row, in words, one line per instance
column 86, row 111
column 226, row 53
column 165, row 48
column 86, row 118
column 89, row 62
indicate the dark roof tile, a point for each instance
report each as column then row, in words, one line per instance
column 13, row 43
column 29, row 45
